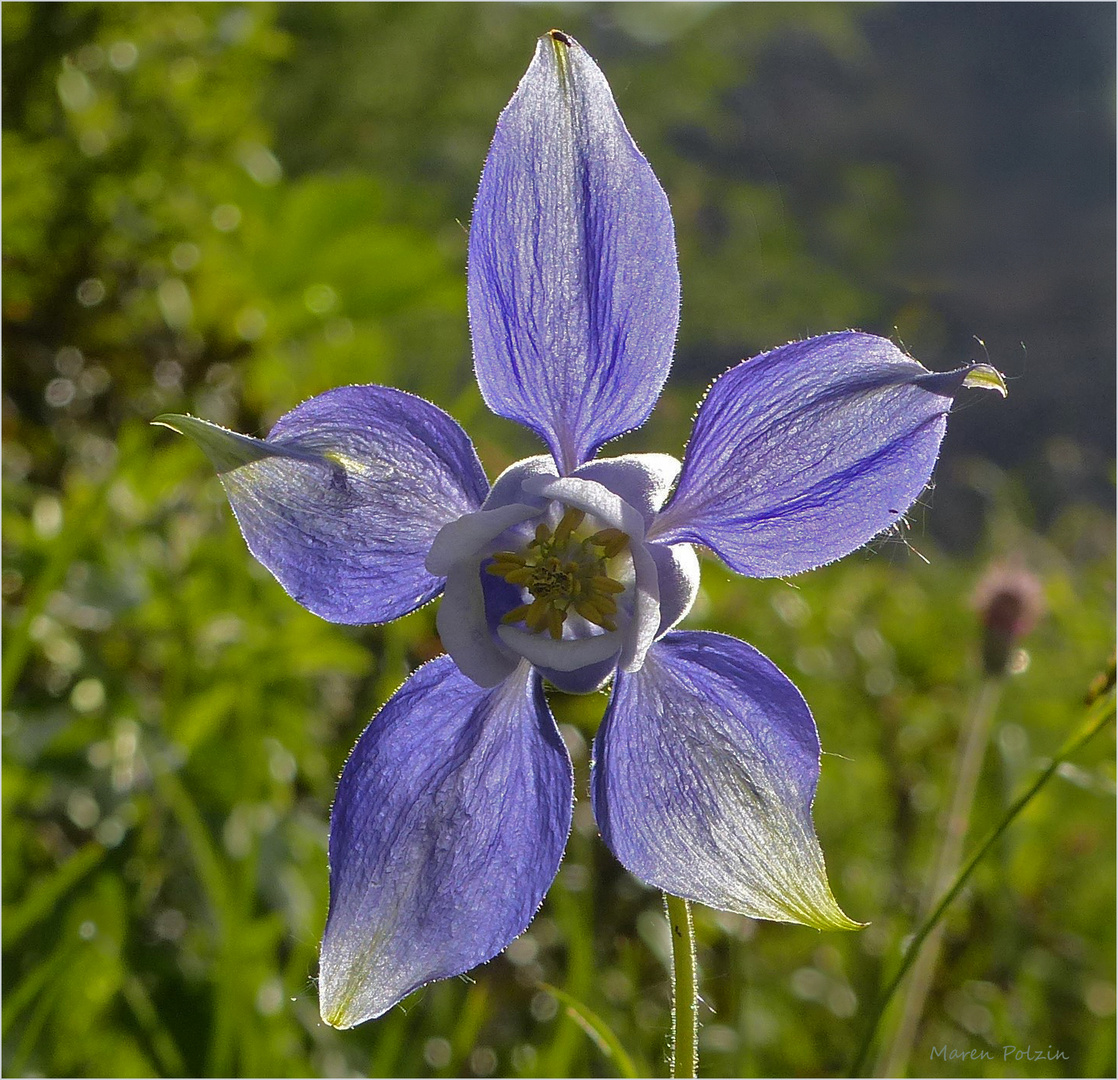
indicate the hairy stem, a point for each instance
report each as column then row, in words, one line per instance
column 685, row 989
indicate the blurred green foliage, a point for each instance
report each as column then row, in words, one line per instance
column 225, row 209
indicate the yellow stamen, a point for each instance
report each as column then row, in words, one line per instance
column 555, row 619
column 517, row 614
column 499, row 568
column 588, row 610
column 592, row 612
column 605, row 604
column 563, row 573
column 571, row 520
column 536, row 618
column 612, row 541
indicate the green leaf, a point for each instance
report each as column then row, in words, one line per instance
column 596, row 1028
column 44, row 897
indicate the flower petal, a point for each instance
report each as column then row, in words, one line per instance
column 642, row 480
column 467, row 624
column 468, row 616
column 573, row 284
column 677, row 574
column 449, row 824
column 805, row 453
column 607, row 506
column 568, row 654
column 646, row 619
column 705, row 768
column 583, row 680
column 343, row 499
column 465, row 538
column 509, row 486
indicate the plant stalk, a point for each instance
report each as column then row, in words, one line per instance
column 685, row 989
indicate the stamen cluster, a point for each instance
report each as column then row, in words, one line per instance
column 563, row 572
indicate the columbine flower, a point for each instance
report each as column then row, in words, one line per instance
column 366, row 502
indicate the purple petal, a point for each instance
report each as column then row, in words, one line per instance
column 449, row 824
column 705, row 768
column 344, row 498
column 803, row 454
column 573, row 285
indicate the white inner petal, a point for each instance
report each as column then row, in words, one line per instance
column 461, row 547
column 592, row 497
column 645, row 622
column 566, row 654
column 464, row 628
column 464, row 538
column 642, row 480
column 677, row 575
column 509, row 486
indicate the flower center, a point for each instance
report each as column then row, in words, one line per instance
column 563, row 572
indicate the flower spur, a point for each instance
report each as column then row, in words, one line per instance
column 365, row 502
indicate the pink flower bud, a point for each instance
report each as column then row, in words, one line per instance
column 1010, row 601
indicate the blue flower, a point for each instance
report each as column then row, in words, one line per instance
column 454, row 809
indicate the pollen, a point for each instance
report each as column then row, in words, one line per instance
column 564, row 572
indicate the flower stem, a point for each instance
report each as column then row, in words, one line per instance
column 1099, row 714
column 685, row 989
